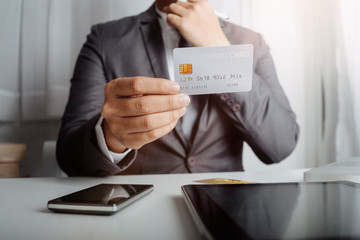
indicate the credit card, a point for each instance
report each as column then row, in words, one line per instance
column 210, row 70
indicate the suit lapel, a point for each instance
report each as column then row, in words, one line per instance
column 153, row 42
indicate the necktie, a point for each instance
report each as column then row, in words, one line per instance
column 183, row 42
column 189, row 119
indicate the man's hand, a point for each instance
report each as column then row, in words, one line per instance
column 197, row 23
column 139, row 110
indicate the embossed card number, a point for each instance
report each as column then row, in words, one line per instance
column 210, row 70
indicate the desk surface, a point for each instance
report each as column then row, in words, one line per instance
column 160, row 215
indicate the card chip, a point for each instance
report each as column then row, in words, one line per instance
column 185, row 68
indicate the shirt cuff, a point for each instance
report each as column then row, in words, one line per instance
column 113, row 157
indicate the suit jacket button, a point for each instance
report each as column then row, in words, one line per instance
column 224, row 96
column 230, row 102
column 191, row 161
column 236, row 107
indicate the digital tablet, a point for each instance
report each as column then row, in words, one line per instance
column 328, row 210
column 99, row 199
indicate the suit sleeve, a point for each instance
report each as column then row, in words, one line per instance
column 263, row 116
column 77, row 151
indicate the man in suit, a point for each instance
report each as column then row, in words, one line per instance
column 141, row 123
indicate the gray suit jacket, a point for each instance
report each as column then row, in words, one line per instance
column 133, row 47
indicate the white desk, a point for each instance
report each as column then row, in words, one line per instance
column 160, row 215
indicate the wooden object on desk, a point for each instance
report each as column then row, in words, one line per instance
column 10, row 156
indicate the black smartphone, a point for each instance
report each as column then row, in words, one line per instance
column 102, row 199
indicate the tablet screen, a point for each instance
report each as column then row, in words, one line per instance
column 276, row 211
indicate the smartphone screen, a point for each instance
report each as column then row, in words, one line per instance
column 99, row 199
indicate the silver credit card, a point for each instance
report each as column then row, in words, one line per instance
column 209, row 70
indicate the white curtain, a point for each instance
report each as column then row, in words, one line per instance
column 39, row 43
column 315, row 45
column 348, row 131
column 10, row 12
